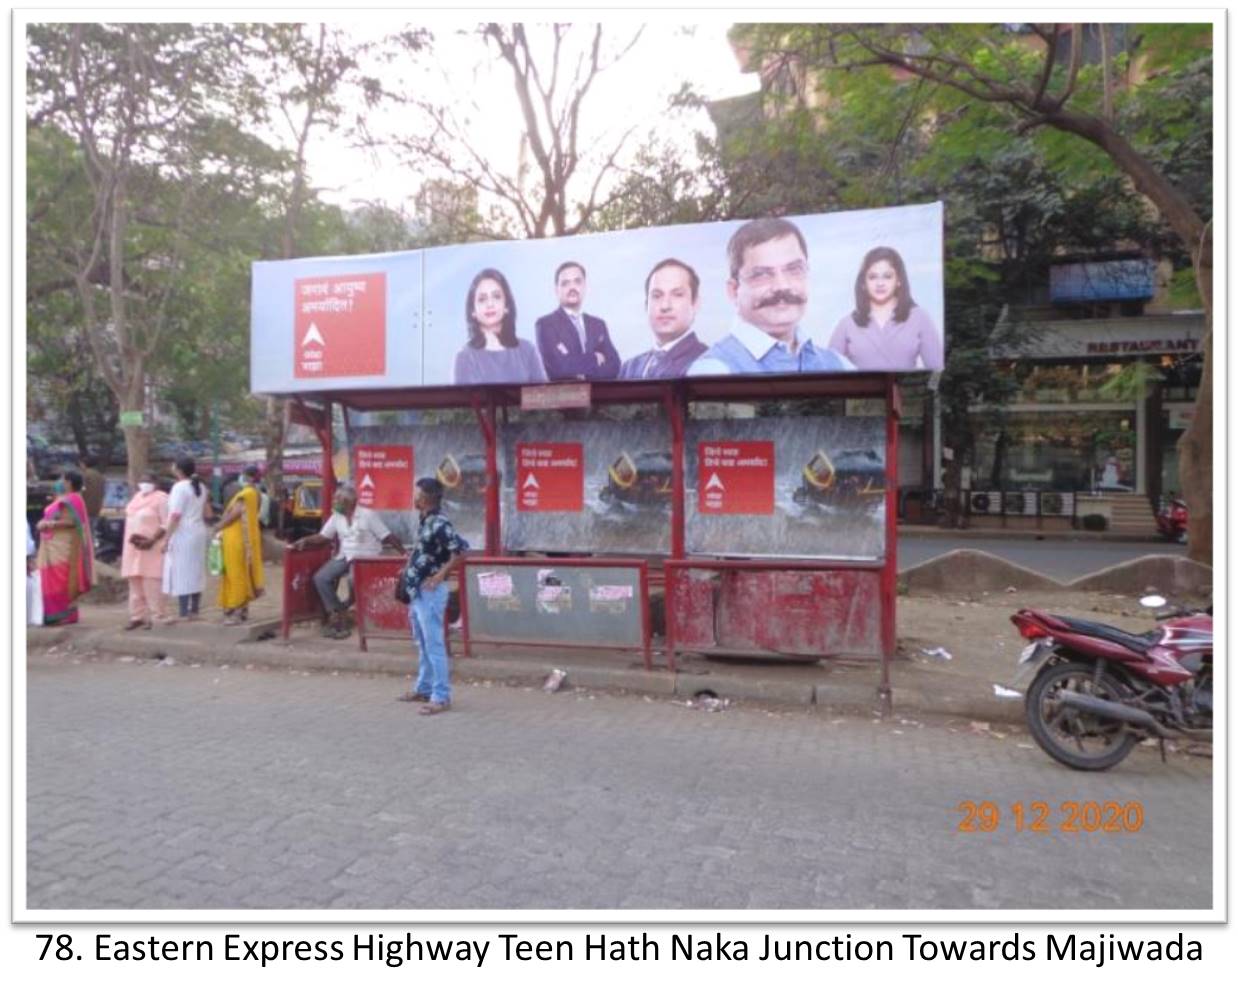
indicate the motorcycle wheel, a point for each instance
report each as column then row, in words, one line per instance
column 1071, row 737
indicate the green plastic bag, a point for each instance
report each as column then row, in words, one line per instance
column 215, row 557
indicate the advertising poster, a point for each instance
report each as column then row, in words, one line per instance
column 851, row 290
column 786, row 487
column 738, row 477
column 384, row 477
column 340, row 329
column 336, row 322
column 453, row 454
column 616, row 498
column 549, row 476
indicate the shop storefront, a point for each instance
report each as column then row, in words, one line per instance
column 1100, row 407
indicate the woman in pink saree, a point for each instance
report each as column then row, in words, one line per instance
column 66, row 555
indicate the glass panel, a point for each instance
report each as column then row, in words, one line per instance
column 1067, row 451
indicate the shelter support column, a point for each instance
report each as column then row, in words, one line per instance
column 673, row 399
column 889, row 574
column 486, row 419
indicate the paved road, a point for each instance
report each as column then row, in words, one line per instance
column 172, row 787
column 1062, row 559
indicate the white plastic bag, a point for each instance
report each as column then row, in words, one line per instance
column 34, row 599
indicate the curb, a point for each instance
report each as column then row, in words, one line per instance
column 850, row 689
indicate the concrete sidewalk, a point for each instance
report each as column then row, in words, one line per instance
column 973, row 646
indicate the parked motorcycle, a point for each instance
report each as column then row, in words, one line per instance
column 1171, row 519
column 1099, row 690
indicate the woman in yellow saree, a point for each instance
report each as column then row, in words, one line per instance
column 238, row 532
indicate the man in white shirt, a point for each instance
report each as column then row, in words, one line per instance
column 358, row 532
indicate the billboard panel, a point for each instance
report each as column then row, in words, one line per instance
column 812, row 293
column 786, row 487
column 387, row 459
column 601, row 486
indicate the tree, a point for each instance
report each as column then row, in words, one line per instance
column 558, row 183
column 139, row 102
column 1136, row 106
column 309, row 66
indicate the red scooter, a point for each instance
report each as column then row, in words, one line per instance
column 1099, row 690
column 1171, row 519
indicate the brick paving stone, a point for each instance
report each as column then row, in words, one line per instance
column 179, row 787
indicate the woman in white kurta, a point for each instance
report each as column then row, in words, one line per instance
column 184, row 566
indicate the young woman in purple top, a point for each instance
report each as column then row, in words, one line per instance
column 493, row 353
column 887, row 330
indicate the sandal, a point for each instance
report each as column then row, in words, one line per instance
column 434, row 707
column 412, row 696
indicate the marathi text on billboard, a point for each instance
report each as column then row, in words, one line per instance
column 823, row 293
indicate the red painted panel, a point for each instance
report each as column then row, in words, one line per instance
column 301, row 600
column 801, row 612
column 378, row 612
column 692, row 601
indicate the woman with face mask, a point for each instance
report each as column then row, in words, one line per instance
column 184, row 567
column 65, row 559
column 141, row 562
column 238, row 532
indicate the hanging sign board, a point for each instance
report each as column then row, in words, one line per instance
column 547, row 397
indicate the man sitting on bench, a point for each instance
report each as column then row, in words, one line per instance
column 359, row 532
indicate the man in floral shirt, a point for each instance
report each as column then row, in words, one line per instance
column 437, row 550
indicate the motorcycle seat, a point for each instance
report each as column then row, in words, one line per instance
column 1137, row 643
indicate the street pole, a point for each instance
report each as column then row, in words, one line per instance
column 216, row 469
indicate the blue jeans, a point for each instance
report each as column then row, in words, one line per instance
column 425, row 619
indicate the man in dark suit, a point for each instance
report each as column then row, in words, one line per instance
column 672, row 289
column 574, row 345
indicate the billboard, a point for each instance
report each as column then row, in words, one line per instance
column 853, row 290
column 790, row 487
column 387, row 460
column 590, row 485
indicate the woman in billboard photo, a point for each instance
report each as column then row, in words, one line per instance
column 493, row 353
column 887, row 330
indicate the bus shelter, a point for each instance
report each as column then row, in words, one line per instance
column 768, row 528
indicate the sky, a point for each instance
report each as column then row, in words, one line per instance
column 474, row 80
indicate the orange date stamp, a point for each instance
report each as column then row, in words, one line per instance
column 1041, row 817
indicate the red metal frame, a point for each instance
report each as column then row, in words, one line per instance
column 674, row 398
column 371, row 572
column 672, row 567
column 486, row 418
column 642, row 566
column 301, row 601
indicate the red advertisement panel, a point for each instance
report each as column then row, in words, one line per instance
column 384, row 477
column 550, row 476
column 340, row 328
column 736, row 478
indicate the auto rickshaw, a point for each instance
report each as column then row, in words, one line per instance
column 853, row 474
column 638, row 482
column 463, row 479
column 304, row 508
